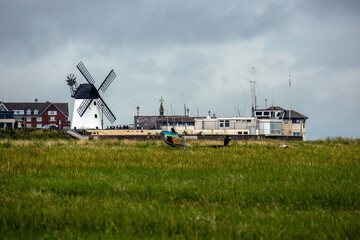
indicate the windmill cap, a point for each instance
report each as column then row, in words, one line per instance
column 86, row 91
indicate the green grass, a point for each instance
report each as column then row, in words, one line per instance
column 33, row 134
column 121, row 189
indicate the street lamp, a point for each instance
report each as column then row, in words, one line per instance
column 137, row 110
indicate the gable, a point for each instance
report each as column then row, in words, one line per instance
column 3, row 108
column 54, row 107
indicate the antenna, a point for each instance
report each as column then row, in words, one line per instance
column 252, row 89
column 71, row 81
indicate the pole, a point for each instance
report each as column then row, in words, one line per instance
column 290, row 123
column 102, row 118
column 289, row 94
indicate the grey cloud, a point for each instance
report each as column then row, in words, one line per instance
column 188, row 52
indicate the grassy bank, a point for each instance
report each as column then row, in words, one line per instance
column 111, row 189
column 32, row 134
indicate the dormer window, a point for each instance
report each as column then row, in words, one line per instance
column 36, row 112
column 28, row 112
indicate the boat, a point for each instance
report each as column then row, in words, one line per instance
column 173, row 139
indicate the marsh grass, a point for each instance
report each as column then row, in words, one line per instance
column 128, row 189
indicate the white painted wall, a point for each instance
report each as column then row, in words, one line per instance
column 88, row 120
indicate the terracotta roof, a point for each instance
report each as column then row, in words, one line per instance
column 40, row 106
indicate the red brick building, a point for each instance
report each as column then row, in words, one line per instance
column 38, row 114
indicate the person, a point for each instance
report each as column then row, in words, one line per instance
column 173, row 130
column 227, row 140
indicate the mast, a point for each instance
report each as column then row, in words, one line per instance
column 252, row 89
column 253, row 94
column 289, row 94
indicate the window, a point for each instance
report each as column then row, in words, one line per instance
column 95, row 115
column 297, row 134
column 94, row 103
column 248, row 120
column 52, row 119
column 28, row 112
column 36, row 112
column 39, row 119
column 286, row 121
column 266, row 113
column 19, row 112
column 258, row 113
column 52, row 113
column 240, row 133
column 296, row 121
column 246, row 133
column 224, row 124
column 39, row 125
column 28, row 119
column 28, row 125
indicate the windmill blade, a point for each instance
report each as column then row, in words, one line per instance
column 106, row 110
column 108, row 80
column 85, row 73
column 84, row 106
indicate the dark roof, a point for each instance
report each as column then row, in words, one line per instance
column 86, row 91
column 40, row 106
column 275, row 108
column 294, row 115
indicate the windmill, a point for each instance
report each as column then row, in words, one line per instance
column 88, row 102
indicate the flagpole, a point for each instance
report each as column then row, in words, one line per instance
column 289, row 94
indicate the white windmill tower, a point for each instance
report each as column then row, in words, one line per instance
column 88, row 102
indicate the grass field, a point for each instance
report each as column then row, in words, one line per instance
column 117, row 189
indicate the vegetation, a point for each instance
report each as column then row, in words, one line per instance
column 33, row 134
column 122, row 189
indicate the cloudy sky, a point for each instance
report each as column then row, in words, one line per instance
column 190, row 52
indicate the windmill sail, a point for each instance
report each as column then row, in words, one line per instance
column 108, row 80
column 106, row 110
column 85, row 73
column 84, row 106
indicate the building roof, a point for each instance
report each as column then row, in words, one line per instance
column 170, row 118
column 40, row 106
column 275, row 108
column 294, row 115
column 86, row 91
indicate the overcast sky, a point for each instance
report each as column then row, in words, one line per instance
column 190, row 52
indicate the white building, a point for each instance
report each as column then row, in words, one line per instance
column 226, row 125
